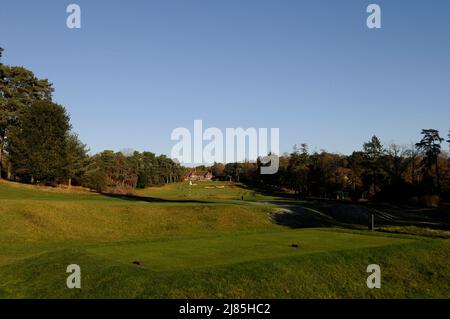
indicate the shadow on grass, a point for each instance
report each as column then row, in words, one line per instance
column 322, row 213
column 266, row 191
column 317, row 213
column 300, row 217
column 136, row 198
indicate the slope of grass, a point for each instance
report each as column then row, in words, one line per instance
column 206, row 243
column 416, row 270
column 80, row 221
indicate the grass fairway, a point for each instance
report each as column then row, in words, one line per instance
column 199, row 242
column 192, row 253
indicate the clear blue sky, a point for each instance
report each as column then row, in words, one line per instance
column 138, row 69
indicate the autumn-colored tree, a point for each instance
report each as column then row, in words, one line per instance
column 218, row 170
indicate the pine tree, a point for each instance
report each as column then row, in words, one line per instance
column 19, row 88
column 430, row 146
column 38, row 148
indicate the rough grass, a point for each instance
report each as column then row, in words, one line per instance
column 413, row 230
column 108, row 221
column 206, row 244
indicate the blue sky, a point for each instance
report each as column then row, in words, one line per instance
column 138, row 69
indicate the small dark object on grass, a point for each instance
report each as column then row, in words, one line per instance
column 294, row 245
column 137, row 263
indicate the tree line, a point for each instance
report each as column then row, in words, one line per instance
column 420, row 172
column 37, row 144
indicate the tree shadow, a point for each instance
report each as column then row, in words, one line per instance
column 299, row 217
column 316, row 213
column 266, row 191
column 137, row 198
column 307, row 214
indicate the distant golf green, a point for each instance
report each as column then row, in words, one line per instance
column 210, row 240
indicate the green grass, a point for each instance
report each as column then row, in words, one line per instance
column 200, row 252
column 221, row 247
column 205, row 191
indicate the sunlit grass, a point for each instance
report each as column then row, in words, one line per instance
column 201, row 241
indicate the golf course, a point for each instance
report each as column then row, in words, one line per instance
column 207, row 240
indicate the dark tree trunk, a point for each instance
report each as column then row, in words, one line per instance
column 9, row 174
column 2, row 155
column 1, row 160
column 438, row 178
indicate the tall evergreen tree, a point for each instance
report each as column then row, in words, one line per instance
column 38, row 147
column 76, row 160
column 19, row 88
column 430, row 146
column 373, row 153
